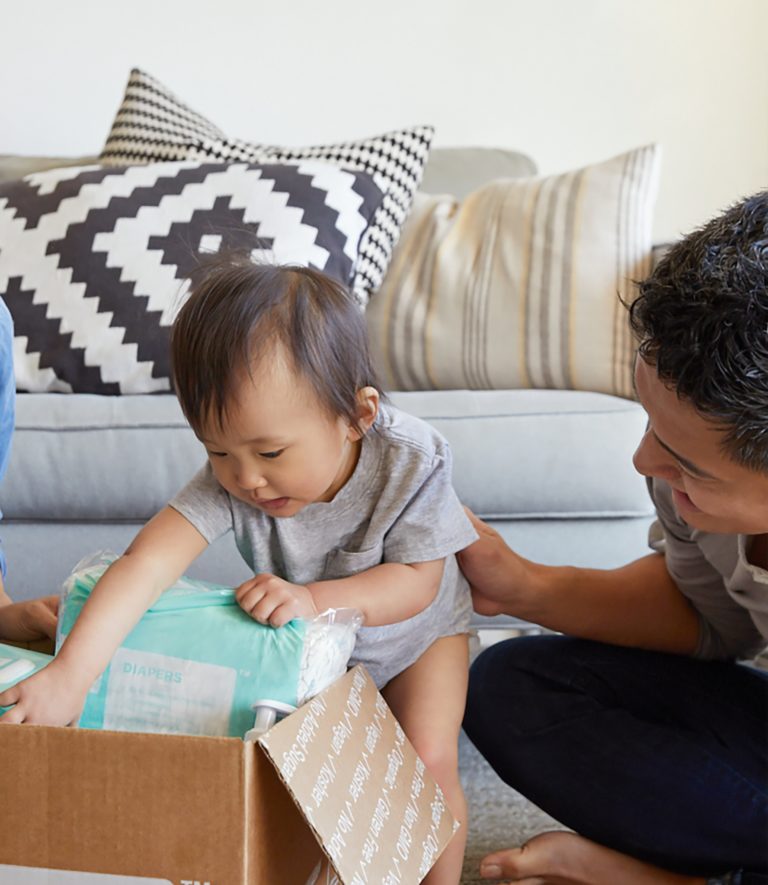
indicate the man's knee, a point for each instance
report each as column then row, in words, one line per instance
column 521, row 688
column 512, row 669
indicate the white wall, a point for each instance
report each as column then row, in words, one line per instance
column 568, row 81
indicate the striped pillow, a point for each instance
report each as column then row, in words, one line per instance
column 520, row 285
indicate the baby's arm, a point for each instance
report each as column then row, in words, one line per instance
column 155, row 559
column 385, row 594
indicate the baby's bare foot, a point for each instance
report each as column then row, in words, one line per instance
column 569, row 859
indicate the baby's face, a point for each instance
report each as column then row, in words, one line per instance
column 279, row 450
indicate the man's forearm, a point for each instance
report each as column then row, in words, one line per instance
column 636, row 605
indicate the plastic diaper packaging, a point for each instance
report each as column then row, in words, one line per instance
column 18, row 663
column 196, row 663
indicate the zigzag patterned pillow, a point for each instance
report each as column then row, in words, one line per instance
column 152, row 125
column 93, row 260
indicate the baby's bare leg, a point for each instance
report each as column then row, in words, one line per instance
column 428, row 699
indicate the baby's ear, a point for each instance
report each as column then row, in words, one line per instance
column 367, row 407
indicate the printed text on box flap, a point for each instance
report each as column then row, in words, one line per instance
column 378, row 813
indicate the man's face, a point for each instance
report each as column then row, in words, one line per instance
column 709, row 490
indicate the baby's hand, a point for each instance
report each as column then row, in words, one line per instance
column 49, row 697
column 271, row 600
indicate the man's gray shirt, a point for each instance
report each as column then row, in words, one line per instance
column 399, row 505
column 712, row 572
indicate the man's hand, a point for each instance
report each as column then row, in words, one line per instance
column 33, row 619
column 637, row 605
column 52, row 696
column 271, row 600
column 499, row 578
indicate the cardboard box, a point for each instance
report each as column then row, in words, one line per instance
column 82, row 807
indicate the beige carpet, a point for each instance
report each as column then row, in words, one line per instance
column 499, row 817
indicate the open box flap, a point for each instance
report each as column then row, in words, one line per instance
column 375, row 810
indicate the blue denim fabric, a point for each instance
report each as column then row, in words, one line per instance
column 661, row 757
column 7, row 398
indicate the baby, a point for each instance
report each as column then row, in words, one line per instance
column 335, row 498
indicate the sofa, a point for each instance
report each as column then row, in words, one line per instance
column 551, row 469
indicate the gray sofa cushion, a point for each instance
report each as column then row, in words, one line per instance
column 522, row 454
column 518, row 454
column 90, row 457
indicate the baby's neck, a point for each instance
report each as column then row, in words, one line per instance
column 348, row 465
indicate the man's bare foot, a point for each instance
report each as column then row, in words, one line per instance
column 569, row 859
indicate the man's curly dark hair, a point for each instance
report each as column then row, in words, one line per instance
column 701, row 319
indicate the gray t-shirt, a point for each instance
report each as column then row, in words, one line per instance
column 712, row 572
column 398, row 506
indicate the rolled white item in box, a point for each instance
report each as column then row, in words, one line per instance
column 328, row 645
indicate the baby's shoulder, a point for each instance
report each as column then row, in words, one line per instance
column 405, row 437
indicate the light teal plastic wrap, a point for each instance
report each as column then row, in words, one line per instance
column 194, row 664
column 17, row 664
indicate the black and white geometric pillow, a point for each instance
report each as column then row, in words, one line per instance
column 153, row 125
column 94, row 260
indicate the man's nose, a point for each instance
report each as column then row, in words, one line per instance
column 650, row 459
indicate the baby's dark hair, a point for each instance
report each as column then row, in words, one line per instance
column 702, row 321
column 238, row 310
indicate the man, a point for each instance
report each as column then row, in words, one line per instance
column 637, row 728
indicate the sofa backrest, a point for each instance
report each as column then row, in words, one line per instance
column 13, row 166
column 449, row 170
column 461, row 170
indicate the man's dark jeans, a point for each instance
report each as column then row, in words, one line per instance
column 661, row 757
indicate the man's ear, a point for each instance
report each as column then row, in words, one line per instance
column 367, row 408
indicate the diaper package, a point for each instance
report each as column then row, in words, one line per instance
column 18, row 663
column 196, row 663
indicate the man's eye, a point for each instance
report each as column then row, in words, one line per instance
column 690, row 474
column 217, row 454
column 271, row 454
